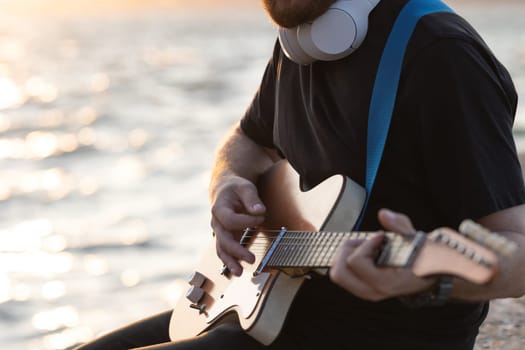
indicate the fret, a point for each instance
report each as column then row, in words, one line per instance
column 404, row 252
column 282, row 250
column 339, row 239
column 323, row 247
column 279, row 252
column 363, row 235
column 317, row 249
column 316, row 243
column 330, row 247
column 319, row 252
column 306, row 245
column 342, row 237
column 397, row 250
column 297, row 242
column 392, row 244
column 290, row 242
column 331, row 237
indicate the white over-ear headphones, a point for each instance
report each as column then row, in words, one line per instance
column 331, row 36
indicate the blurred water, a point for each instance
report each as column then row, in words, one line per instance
column 107, row 131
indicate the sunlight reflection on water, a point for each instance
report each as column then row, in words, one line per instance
column 11, row 96
column 95, row 265
column 36, row 263
column 52, row 290
column 67, row 337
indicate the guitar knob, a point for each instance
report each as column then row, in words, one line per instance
column 195, row 294
column 197, row 279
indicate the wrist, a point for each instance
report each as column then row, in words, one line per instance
column 219, row 179
column 438, row 295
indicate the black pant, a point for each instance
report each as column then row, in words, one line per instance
column 152, row 333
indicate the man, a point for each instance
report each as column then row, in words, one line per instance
column 449, row 141
column 449, row 156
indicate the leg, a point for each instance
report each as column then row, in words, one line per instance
column 223, row 337
column 152, row 330
column 152, row 334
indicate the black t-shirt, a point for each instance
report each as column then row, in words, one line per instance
column 449, row 154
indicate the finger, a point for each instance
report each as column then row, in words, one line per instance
column 229, row 261
column 250, row 200
column 229, row 250
column 353, row 243
column 384, row 281
column 348, row 247
column 341, row 275
column 368, row 249
column 353, row 284
column 395, row 222
column 230, row 245
column 234, row 221
column 361, row 262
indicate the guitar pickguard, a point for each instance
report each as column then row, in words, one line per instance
column 242, row 293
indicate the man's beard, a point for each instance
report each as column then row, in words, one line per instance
column 291, row 13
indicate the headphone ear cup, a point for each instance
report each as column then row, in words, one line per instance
column 288, row 38
column 333, row 35
column 330, row 37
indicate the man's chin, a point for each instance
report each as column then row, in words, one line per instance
column 291, row 13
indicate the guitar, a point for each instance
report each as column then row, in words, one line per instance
column 260, row 298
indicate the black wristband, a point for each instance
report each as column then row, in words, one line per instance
column 438, row 296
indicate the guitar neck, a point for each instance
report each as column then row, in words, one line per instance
column 336, row 203
column 300, row 249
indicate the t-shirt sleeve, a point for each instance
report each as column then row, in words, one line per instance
column 465, row 112
column 257, row 122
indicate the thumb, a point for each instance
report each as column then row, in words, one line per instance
column 250, row 200
column 395, row 222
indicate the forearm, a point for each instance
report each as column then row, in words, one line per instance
column 509, row 281
column 240, row 156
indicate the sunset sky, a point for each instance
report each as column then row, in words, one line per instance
column 69, row 7
column 83, row 7
column 65, row 7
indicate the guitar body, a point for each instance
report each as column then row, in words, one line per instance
column 260, row 303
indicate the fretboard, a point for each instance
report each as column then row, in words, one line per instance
column 298, row 249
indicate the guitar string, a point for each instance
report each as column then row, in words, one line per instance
column 321, row 253
column 272, row 234
column 297, row 257
column 290, row 241
column 321, row 247
column 267, row 241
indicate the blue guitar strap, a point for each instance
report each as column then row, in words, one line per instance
column 387, row 82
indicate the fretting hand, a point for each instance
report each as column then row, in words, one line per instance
column 354, row 268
